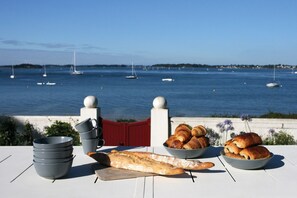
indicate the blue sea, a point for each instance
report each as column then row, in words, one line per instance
column 194, row 91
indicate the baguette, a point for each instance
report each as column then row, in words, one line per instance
column 174, row 161
column 130, row 161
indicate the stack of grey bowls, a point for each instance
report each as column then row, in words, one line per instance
column 89, row 134
column 52, row 156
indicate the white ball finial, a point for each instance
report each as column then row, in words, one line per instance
column 90, row 102
column 160, row 102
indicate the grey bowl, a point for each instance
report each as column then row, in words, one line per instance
column 246, row 164
column 184, row 153
column 53, row 154
column 59, row 149
column 54, row 170
column 52, row 160
column 52, row 142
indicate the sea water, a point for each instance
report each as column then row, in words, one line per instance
column 194, row 91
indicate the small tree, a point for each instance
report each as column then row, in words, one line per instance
column 59, row 128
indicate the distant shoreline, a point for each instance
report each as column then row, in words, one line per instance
column 180, row 65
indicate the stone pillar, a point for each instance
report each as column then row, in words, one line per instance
column 90, row 110
column 159, row 121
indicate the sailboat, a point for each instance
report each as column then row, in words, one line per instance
column 273, row 83
column 44, row 74
column 12, row 72
column 133, row 74
column 74, row 71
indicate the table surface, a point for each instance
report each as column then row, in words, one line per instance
column 278, row 178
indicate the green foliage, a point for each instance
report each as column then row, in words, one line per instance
column 7, row 131
column 26, row 137
column 279, row 115
column 59, row 128
column 280, row 138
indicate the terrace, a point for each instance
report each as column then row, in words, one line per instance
column 277, row 178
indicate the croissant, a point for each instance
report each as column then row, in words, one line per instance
column 192, row 144
column 204, row 141
column 247, row 140
column 173, row 142
column 198, row 131
column 183, row 136
column 255, row 152
column 183, row 127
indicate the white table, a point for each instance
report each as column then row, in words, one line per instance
column 279, row 178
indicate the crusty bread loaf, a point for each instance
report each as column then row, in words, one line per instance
column 230, row 147
column 255, row 152
column 198, row 131
column 246, row 140
column 133, row 162
column 180, row 163
column 192, row 144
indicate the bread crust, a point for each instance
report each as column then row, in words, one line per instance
column 174, row 161
column 247, row 140
column 192, row 144
column 230, row 147
column 255, row 152
column 204, row 141
column 183, row 127
column 174, row 142
column 183, row 136
column 133, row 162
column 232, row 155
column 198, row 131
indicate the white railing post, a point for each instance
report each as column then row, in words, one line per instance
column 91, row 110
column 159, row 121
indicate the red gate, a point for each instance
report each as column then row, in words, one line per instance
column 126, row 133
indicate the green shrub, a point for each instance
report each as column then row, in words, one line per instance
column 7, row 131
column 280, row 138
column 26, row 137
column 59, row 128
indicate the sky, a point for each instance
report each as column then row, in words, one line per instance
column 148, row 32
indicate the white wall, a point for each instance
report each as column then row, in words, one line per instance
column 39, row 122
column 258, row 125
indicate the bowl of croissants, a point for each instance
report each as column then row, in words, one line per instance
column 187, row 142
column 245, row 151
